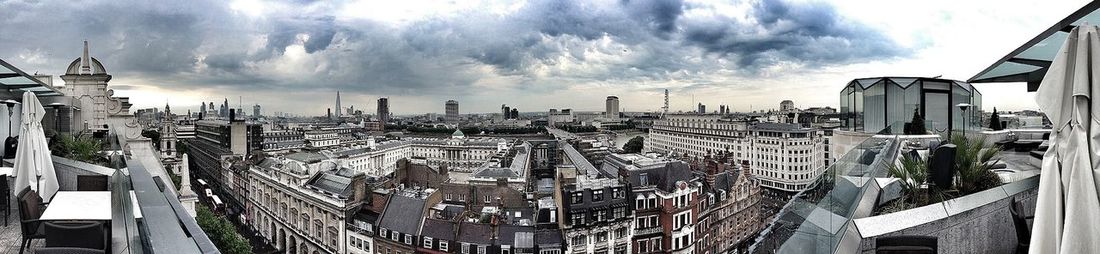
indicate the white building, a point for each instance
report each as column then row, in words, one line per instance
column 459, row 154
column 783, row 156
column 611, row 107
column 301, row 202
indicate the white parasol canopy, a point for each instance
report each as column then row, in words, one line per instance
column 33, row 165
column 1067, row 213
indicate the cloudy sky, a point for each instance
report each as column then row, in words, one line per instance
column 293, row 55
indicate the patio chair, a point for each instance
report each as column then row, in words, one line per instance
column 90, row 235
column 91, row 183
column 1023, row 231
column 30, row 209
column 941, row 166
column 5, row 190
column 908, row 244
column 67, row 250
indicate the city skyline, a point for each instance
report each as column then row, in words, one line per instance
column 557, row 55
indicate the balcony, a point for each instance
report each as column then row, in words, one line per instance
column 157, row 208
column 837, row 215
column 647, row 231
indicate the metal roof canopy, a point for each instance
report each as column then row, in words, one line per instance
column 1030, row 61
column 15, row 80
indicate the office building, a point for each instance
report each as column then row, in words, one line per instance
column 383, row 112
column 596, row 213
column 301, row 203
column 256, row 111
column 451, row 109
column 665, row 194
column 339, row 109
column 611, row 107
column 786, row 106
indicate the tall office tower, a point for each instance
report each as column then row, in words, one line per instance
column 451, row 108
column 338, row 108
column 383, row 110
column 202, row 109
column 505, row 111
column 225, row 108
column 515, row 113
column 612, row 107
column 702, row 109
column 665, row 108
column 256, row 111
column 786, row 106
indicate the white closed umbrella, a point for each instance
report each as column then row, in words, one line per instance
column 1067, row 213
column 33, row 165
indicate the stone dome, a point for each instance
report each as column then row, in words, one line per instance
column 74, row 67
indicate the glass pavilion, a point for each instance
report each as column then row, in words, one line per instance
column 871, row 105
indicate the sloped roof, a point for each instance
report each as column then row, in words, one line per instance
column 439, row 229
column 403, row 214
column 477, row 233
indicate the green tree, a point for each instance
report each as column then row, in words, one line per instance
column 221, row 232
column 995, row 121
column 152, row 134
column 80, row 148
column 635, row 145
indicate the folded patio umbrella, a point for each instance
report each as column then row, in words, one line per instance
column 33, row 166
column 1067, row 213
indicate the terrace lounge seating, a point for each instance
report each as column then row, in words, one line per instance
column 941, row 166
column 30, row 209
column 1023, row 231
column 90, row 235
column 908, row 244
column 91, row 183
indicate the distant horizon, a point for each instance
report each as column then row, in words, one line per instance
column 535, row 55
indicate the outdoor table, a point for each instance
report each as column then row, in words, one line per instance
column 85, row 206
column 80, row 206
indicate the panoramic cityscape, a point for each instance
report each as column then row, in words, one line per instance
column 549, row 127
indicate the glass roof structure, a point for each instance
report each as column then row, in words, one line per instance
column 15, row 81
column 1030, row 61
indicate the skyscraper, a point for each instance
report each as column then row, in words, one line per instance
column 702, row 109
column 338, row 108
column 256, row 111
column 786, row 106
column 451, row 108
column 612, row 107
column 383, row 110
column 505, row 111
column 224, row 112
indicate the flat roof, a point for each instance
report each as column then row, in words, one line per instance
column 1029, row 62
column 16, row 81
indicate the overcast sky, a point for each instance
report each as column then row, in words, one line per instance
column 292, row 56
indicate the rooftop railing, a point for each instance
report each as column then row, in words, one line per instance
column 817, row 219
column 165, row 225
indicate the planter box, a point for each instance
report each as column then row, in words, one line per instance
column 975, row 223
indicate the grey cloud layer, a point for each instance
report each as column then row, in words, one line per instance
column 203, row 44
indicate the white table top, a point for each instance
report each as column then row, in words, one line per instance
column 6, row 171
column 83, row 205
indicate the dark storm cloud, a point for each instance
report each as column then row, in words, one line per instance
column 205, row 44
column 811, row 33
